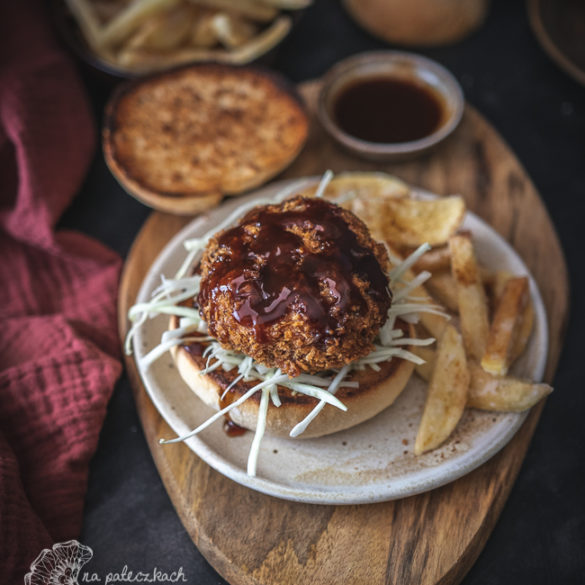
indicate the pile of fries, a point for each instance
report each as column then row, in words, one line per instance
column 139, row 36
column 469, row 367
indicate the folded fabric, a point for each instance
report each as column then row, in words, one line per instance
column 59, row 353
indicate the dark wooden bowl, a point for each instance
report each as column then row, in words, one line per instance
column 559, row 26
column 72, row 37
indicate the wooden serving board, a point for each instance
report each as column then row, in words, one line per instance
column 433, row 538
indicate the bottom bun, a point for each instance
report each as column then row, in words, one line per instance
column 377, row 390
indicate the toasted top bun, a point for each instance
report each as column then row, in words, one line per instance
column 197, row 133
column 376, row 391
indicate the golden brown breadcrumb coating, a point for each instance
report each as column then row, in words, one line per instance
column 300, row 286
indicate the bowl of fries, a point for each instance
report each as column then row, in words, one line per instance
column 129, row 38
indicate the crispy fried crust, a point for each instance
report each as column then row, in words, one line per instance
column 293, row 342
column 202, row 131
column 377, row 391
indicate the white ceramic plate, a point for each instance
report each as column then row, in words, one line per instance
column 372, row 462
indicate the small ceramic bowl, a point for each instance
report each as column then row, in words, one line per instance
column 403, row 67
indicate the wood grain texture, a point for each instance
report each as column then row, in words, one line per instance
column 433, row 538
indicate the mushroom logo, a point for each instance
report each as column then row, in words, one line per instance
column 59, row 565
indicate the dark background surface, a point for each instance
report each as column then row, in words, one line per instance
column 540, row 537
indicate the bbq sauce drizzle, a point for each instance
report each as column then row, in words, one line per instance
column 269, row 272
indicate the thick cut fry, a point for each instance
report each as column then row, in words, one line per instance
column 471, row 297
column 488, row 392
column 412, row 222
column 524, row 331
column 447, row 394
column 503, row 394
column 249, row 8
column 505, row 327
column 442, row 286
column 497, row 282
column 121, row 27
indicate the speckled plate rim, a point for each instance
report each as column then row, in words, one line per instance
column 398, row 487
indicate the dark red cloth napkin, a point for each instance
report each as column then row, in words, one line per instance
column 59, row 353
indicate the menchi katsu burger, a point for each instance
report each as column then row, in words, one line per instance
column 295, row 294
column 289, row 319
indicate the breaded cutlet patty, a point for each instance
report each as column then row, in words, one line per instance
column 300, row 286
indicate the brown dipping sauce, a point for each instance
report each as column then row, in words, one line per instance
column 270, row 273
column 387, row 110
